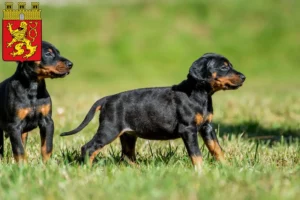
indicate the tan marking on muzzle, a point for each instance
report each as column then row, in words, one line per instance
column 222, row 82
column 48, row 71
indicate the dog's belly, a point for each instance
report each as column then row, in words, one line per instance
column 154, row 136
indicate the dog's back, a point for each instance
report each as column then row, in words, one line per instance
column 146, row 111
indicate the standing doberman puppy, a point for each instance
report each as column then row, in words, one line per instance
column 26, row 104
column 165, row 113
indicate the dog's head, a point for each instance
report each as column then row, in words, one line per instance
column 51, row 65
column 217, row 71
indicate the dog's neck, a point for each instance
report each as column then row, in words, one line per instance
column 27, row 77
column 190, row 86
column 25, row 72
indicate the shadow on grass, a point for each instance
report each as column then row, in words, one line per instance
column 253, row 130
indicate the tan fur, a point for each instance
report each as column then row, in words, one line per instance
column 220, row 83
column 44, row 109
column 24, row 138
column 45, row 155
column 209, row 117
column 98, row 108
column 197, row 162
column 46, row 71
column 215, row 149
column 23, row 112
column 198, row 119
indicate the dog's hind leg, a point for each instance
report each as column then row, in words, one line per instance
column 1, row 143
column 106, row 134
column 128, row 147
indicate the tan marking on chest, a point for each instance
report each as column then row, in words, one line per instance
column 198, row 119
column 23, row 112
column 44, row 109
column 209, row 117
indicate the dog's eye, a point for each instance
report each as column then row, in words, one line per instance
column 225, row 68
column 48, row 54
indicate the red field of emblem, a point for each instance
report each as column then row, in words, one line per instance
column 21, row 40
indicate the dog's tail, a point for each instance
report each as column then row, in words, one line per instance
column 96, row 106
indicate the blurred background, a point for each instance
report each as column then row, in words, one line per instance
column 122, row 45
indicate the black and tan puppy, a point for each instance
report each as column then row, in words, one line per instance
column 26, row 104
column 165, row 113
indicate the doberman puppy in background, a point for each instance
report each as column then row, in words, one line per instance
column 165, row 113
column 25, row 103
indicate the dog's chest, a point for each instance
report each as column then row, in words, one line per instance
column 33, row 109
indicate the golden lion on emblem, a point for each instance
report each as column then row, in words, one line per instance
column 19, row 35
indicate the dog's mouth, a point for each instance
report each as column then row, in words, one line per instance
column 52, row 73
column 232, row 83
column 232, row 86
column 59, row 75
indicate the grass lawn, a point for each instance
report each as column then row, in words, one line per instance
column 117, row 47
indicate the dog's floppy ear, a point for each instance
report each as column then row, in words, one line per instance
column 198, row 70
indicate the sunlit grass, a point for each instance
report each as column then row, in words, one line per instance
column 120, row 47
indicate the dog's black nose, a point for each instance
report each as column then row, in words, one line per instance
column 243, row 77
column 69, row 64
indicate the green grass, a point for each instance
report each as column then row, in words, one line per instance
column 117, row 47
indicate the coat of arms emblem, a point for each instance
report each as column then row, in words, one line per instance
column 21, row 32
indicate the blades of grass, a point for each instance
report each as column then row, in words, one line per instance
column 256, row 153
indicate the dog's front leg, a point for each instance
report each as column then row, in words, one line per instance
column 211, row 141
column 190, row 139
column 14, row 133
column 46, row 126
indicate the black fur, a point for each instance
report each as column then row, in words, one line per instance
column 26, row 104
column 165, row 113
